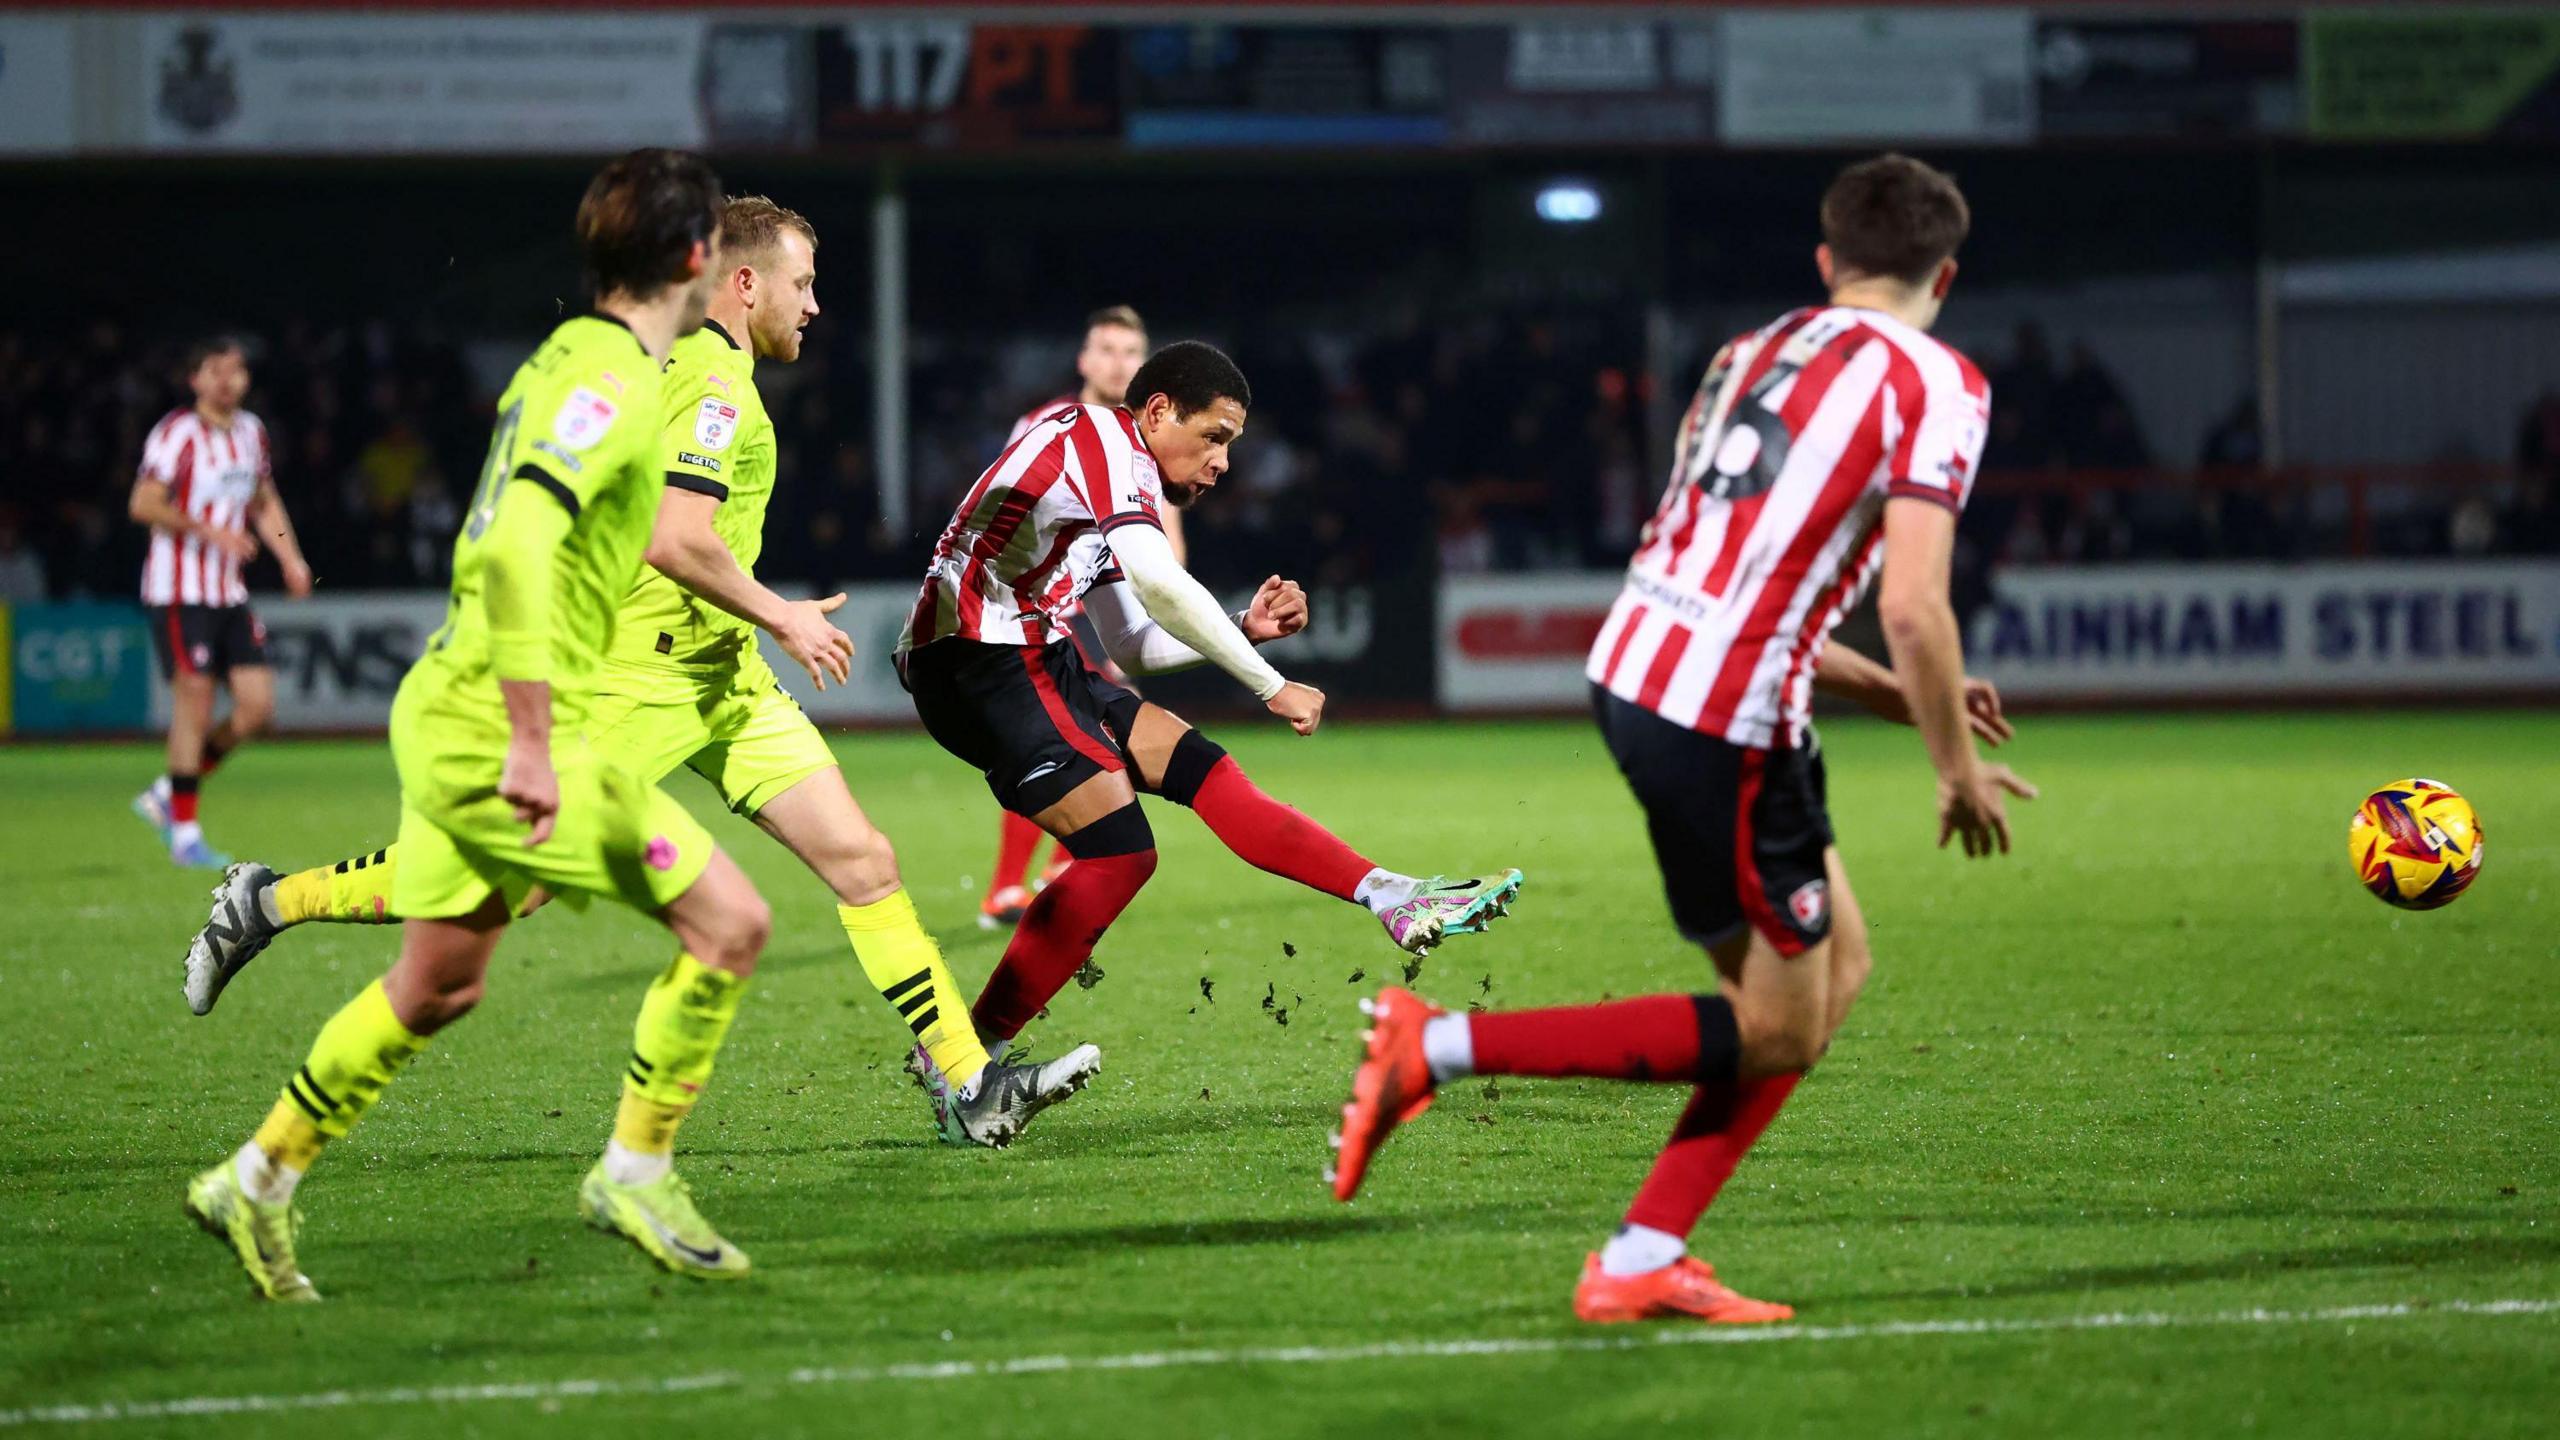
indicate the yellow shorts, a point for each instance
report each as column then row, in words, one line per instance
column 616, row 835
column 738, row 729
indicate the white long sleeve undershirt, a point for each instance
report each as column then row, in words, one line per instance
column 1175, row 622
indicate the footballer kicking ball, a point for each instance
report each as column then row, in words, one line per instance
column 2415, row 844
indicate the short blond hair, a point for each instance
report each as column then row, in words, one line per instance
column 751, row 225
column 1120, row 315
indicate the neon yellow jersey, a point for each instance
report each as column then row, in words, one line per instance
column 717, row 441
column 580, row 419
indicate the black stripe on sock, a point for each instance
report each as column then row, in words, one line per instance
column 342, row 867
column 920, row 977
column 641, row 1060
column 314, row 1086
column 358, row 862
column 294, row 1093
column 924, row 1022
column 636, row 1077
column 382, row 855
column 921, row 997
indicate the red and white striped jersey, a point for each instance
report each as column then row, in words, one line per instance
column 213, row 473
column 1032, row 536
column 1038, row 413
column 1771, row 527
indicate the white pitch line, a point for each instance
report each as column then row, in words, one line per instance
column 838, row 1375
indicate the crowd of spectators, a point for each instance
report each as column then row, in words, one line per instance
column 1466, row 437
column 2069, row 477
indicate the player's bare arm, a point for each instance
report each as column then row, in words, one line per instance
column 528, row 526
column 1854, row 675
column 275, row 527
column 153, row 505
column 1928, row 656
column 685, row 549
column 527, row 781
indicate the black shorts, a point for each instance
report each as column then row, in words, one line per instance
column 1739, row 833
column 206, row 639
column 1032, row 718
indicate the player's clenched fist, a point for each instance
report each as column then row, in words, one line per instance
column 1279, row 609
column 530, row 785
column 1301, row 705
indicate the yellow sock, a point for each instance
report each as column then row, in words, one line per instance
column 355, row 891
column 359, row 1052
column 905, row 965
column 681, row 1025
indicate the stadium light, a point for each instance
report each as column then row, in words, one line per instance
column 1568, row 202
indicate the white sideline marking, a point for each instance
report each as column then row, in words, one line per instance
column 550, row 1390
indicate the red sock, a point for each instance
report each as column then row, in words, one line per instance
column 1014, row 844
column 1652, row 1037
column 1055, row 938
column 182, row 798
column 1271, row 836
column 1715, row 1132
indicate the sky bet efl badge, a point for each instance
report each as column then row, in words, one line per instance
column 715, row 423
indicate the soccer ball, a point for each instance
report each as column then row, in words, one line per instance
column 2415, row 844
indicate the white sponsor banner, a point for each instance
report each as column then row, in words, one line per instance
column 1810, row 76
column 873, row 614
column 2236, row 630
column 389, row 82
column 339, row 658
column 36, row 76
column 1517, row 642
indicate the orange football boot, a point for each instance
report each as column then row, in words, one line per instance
column 1002, row 909
column 1688, row 1286
column 1392, row 1085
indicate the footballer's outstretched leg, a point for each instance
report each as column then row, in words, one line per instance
column 1412, row 1047
column 1743, row 1049
column 1417, row 913
column 253, row 905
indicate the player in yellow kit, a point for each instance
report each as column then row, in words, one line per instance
column 684, row 685
column 500, row 792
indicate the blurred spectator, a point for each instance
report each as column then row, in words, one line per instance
column 2234, row 439
column 2022, row 400
column 21, row 572
column 2092, row 421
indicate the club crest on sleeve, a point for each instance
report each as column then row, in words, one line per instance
column 583, row 419
column 1146, row 484
column 715, row 424
column 1810, row 903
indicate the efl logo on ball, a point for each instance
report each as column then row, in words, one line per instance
column 2416, row 844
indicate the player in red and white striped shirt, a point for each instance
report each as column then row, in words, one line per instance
column 1820, row 445
column 1071, row 513
column 1115, row 344
column 207, row 489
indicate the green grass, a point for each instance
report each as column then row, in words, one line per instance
column 2168, row 1059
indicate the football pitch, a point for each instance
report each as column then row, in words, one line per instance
column 2160, row 1126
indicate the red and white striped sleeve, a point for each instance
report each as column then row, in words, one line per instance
column 165, row 449
column 1945, row 416
column 1126, row 488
